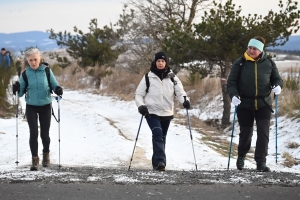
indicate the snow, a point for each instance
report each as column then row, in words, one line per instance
column 100, row 131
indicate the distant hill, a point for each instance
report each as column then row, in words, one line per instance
column 15, row 42
column 292, row 45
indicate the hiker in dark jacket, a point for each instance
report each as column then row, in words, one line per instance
column 4, row 59
column 157, row 104
column 250, row 82
column 38, row 102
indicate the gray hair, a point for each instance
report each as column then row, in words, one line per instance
column 28, row 53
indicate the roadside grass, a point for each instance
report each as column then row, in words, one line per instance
column 289, row 160
column 292, row 145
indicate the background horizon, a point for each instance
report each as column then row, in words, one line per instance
column 61, row 15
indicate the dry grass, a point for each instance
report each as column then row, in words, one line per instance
column 121, row 83
column 289, row 160
column 292, row 145
column 207, row 87
column 289, row 103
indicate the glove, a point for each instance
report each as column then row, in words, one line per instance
column 276, row 89
column 58, row 90
column 16, row 87
column 186, row 104
column 236, row 100
column 143, row 110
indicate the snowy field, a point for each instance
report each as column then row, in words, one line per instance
column 100, row 131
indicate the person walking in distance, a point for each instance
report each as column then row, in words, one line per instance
column 154, row 98
column 250, row 82
column 4, row 59
column 38, row 102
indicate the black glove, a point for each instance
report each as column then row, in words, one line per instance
column 58, row 90
column 16, row 87
column 186, row 104
column 143, row 110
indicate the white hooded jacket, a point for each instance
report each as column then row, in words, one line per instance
column 160, row 97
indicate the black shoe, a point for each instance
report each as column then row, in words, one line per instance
column 160, row 167
column 262, row 167
column 240, row 162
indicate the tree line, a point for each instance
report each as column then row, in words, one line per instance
column 188, row 30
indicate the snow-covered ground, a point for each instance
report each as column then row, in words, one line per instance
column 100, row 131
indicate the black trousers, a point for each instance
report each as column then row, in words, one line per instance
column 159, row 131
column 43, row 114
column 246, row 122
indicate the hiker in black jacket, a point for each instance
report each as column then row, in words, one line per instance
column 250, row 82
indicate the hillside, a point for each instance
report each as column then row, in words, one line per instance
column 15, row 42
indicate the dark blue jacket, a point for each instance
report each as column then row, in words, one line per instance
column 4, row 61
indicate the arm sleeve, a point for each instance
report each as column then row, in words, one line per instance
column 53, row 81
column 8, row 60
column 140, row 93
column 179, row 91
column 275, row 77
column 22, row 86
column 233, row 78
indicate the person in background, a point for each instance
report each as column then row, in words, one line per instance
column 4, row 59
column 38, row 103
column 157, row 104
column 249, row 86
column 10, row 57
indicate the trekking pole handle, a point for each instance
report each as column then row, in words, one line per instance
column 184, row 97
column 57, row 98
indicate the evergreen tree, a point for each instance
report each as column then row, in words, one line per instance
column 222, row 36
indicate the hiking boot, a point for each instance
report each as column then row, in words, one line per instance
column 262, row 167
column 35, row 163
column 160, row 167
column 240, row 162
column 46, row 159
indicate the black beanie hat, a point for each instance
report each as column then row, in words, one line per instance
column 161, row 55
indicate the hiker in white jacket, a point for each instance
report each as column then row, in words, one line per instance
column 154, row 98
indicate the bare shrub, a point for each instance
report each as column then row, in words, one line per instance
column 289, row 160
column 293, row 145
column 121, row 83
column 73, row 77
column 289, row 103
column 207, row 87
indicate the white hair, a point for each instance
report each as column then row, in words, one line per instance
column 28, row 53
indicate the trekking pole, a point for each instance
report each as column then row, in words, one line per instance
column 235, row 108
column 17, row 135
column 135, row 142
column 58, row 98
column 188, row 118
column 276, row 116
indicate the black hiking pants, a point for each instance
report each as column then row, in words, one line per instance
column 246, row 122
column 159, row 130
column 43, row 114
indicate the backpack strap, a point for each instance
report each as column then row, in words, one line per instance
column 47, row 69
column 147, row 82
column 25, row 80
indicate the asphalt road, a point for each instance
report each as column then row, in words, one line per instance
column 90, row 183
column 90, row 191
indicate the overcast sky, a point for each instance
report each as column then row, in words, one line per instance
column 61, row 15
